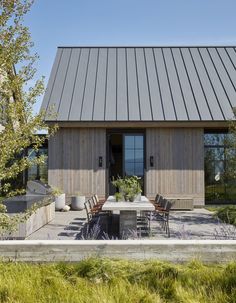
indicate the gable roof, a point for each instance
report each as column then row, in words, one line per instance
column 142, row 84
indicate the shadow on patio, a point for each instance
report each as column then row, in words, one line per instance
column 196, row 224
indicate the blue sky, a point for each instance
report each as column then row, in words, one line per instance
column 128, row 22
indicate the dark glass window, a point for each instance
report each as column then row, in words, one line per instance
column 219, row 186
column 38, row 172
column 134, row 155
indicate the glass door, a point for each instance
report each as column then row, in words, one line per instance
column 126, row 157
column 133, row 164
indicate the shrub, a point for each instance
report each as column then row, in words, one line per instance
column 227, row 214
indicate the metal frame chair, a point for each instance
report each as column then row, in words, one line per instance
column 162, row 215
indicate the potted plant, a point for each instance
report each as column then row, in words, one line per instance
column 77, row 201
column 60, row 198
column 118, row 197
column 129, row 187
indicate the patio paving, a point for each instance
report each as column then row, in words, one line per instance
column 196, row 224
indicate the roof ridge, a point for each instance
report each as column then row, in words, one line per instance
column 144, row 46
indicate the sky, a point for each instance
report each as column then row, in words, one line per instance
column 55, row 23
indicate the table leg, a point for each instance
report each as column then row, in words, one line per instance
column 128, row 223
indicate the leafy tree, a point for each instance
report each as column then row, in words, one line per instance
column 230, row 142
column 19, row 124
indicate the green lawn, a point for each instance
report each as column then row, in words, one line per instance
column 108, row 281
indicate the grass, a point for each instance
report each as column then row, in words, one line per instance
column 212, row 208
column 116, row 281
column 217, row 207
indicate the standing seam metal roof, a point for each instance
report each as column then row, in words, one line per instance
column 142, row 84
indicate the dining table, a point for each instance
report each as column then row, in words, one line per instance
column 128, row 213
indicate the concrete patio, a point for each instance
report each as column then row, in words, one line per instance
column 197, row 224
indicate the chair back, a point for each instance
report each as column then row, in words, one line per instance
column 88, row 210
column 94, row 200
column 168, row 206
column 91, row 203
column 157, row 198
column 163, row 203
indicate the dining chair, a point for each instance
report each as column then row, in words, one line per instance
column 162, row 215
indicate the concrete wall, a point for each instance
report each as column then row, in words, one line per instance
column 42, row 216
column 72, row 251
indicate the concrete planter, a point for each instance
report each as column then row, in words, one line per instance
column 42, row 216
column 77, row 202
column 60, row 202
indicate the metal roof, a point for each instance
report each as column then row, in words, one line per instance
column 142, row 84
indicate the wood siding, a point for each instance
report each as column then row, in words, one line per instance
column 178, row 169
column 73, row 160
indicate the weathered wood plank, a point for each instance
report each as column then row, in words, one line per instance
column 178, row 163
column 73, row 160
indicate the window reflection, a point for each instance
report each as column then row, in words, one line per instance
column 138, row 142
column 129, row 142
column 134, row 155
column 138, row 169
column 38, row 172
column 219, row 187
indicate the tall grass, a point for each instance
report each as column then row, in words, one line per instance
column 108, row 281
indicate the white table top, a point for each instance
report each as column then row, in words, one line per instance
column 144, row 204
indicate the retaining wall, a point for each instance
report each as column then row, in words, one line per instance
column 39, row 218
column 76, row 250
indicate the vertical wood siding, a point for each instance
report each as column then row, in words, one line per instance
column 73, row 160
column 178, row 169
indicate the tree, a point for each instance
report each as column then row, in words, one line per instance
column 231, row 149
column 20, row 123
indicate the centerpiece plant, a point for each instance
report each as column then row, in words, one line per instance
column 129, row 187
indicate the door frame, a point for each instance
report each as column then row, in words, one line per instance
column 134, row 131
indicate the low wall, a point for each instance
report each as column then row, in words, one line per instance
column 42, row 216
column 75, row 250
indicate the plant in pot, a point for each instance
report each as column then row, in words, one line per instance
column 133, row 188
column 77, row 201
column 60, row 198
column 118, row 197
column 129, row 187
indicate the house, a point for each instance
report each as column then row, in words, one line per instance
column 157, row 112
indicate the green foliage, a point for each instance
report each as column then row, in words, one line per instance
column 227, row 214
column 118, row 197
column 17, row 99
column 129, row 187
column 19, row 124
column 231, row 149
column 56, row 191
column 9, row 224
column 103, row 280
